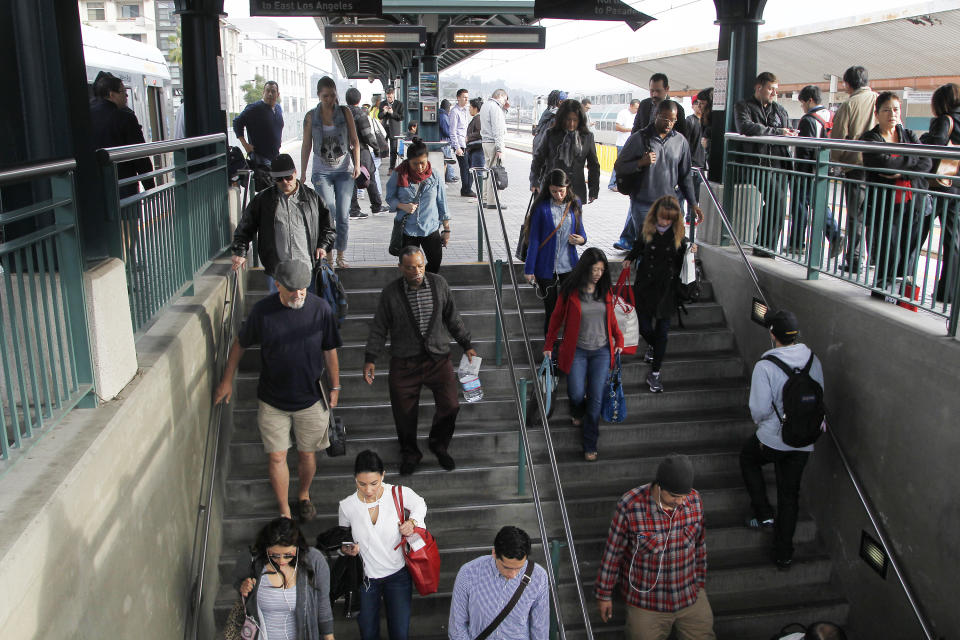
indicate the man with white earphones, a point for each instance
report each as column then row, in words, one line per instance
column 655, row 552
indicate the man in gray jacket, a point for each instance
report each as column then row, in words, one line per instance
column 493, row 128
column 767, row 445
column 418, row 312
column 290, row 220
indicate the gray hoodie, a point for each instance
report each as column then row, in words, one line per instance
column 766, row 388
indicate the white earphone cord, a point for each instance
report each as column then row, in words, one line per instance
column 662, row 554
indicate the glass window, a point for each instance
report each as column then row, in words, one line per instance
column 129, row 11
column 96, row 12
column 133, row 36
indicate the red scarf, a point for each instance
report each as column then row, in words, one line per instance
column 406, row 175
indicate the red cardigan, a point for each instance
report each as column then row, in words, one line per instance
column 567, row 315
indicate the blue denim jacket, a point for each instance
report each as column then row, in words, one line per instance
column 433, row 204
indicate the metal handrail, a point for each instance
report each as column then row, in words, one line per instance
column 864, row 499
column 538, row 393
column 859, row 146
column 20, row 174
column 228, row 330
column 134, row 151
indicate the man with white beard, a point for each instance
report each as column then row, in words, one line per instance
column 291, row 327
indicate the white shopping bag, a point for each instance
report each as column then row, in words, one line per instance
column 688, row 273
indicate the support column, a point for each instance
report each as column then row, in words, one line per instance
column 200, row 29
column 739, row 22
column 429, row 130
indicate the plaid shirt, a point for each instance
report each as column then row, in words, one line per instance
column 635, row 542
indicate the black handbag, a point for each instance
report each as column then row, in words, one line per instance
column 499, row 175
column 396, row 235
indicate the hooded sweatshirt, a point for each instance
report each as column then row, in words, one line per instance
column 766, row 389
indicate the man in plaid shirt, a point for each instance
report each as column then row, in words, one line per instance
column 655, row 551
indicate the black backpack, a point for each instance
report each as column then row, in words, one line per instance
column 803, row 409
column 629, row 182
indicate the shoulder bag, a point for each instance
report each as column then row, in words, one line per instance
column 499, row 175
column 613, row 407
column 396, row 235
column 624, row 307
column 496, row 622
column 239, row 625
column 423, row 563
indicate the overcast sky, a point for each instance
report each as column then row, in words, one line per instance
column 575, row 47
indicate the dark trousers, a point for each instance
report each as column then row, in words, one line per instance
column 948, row 210
column 366, row 160
column 547, row 291
column 655, row 332
column 773, row 187
column 802, row 202
column 407, row 377
column 854, row 194
column 394, row 143
column 396, row 590
column 432, row 246
column 788, row 466
column 466, row 178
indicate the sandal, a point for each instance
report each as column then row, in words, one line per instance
column 577, row 422
column 590, row 456
column 341, row 261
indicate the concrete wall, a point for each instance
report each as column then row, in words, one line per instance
column 97, row 525
column 891, row 385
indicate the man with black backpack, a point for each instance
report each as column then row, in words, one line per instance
column 786, row 403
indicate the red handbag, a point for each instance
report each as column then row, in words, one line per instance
column 424, row 563
column 624, row 308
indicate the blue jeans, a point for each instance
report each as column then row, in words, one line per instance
column 613, row 172
column 336, row 191
column 451, row 169
column 396, row 591
column 635, row 217
column 585, row 382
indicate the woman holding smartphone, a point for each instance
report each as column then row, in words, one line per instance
column 377, row 533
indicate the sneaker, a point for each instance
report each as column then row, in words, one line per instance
column 653, row 380
column 590, row 456
column 307, row 510
column 620, row 247
column 754, row 523
column 784, row 565
column 648, row 355
column 760, row 253
column 468, row 194
column 835, row 248
column 360, row 215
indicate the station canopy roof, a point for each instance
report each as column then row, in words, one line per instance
column 436, row 16
column 918, row 40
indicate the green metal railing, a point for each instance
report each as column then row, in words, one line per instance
column 167, row 233
column 897, row 240
column 45, row 364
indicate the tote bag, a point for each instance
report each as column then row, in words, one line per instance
column 625, row 310
column 424, row 563
column 613, row 407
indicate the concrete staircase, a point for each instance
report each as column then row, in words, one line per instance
column 701, row 413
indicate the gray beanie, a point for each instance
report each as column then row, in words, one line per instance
column 675, row 474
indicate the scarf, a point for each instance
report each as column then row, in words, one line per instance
column 664, row 229
column 406, row 175
column 571, row 148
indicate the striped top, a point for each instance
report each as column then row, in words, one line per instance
column 278, row 617
column 421, row 303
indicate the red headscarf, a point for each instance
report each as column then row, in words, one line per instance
column 406, row 175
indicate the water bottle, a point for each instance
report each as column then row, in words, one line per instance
column 472, row 389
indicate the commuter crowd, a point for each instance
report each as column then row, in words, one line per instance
column 655, row 556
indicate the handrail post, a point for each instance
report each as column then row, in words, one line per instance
column 954, row 319
column 818, row 212
column 478, row 179
column 555, row 546
column 181, row 219
column 521, row 450
column 498, row 347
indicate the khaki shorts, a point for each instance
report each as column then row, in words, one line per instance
column 309, row 425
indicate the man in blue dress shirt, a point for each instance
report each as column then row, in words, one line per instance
column 484, row 587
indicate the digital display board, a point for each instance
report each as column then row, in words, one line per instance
column 360, row 37
column 458, row 37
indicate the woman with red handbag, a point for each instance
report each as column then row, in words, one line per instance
column 378, row 536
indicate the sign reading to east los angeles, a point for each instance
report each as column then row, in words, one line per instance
column 316, row 7
column 612, row 10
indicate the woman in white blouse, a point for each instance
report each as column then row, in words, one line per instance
column 377, row 532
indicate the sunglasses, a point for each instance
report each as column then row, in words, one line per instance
column 278, row 556
column 284, row 179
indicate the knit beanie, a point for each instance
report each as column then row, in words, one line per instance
column 675, row 474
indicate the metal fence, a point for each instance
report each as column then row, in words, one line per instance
column 45, row 364
column 884, row 229
column 171, row 229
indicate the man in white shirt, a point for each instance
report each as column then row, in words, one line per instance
column 459, row 119
column 493, row 128
column 623, row 125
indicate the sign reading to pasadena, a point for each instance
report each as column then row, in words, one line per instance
column 316, row 7
column 615, row 10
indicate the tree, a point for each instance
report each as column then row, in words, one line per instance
column 253, row 90
column 175, row 52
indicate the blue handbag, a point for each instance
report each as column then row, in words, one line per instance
column 547, row 377
column 613, row 408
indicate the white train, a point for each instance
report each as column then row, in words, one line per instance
column 144, row 72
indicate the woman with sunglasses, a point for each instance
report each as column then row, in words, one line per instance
column 377, row 533
column 329, row 130
column 286, row 585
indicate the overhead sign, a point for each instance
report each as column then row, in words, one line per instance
column 458, row 37
column 316, row 7
column 611, row 10
column 374, row 37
